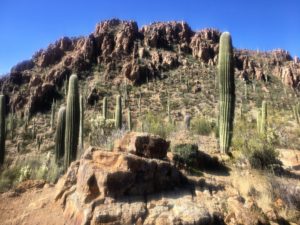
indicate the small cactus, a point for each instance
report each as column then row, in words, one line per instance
column 118, row 113
column 264, row 117
column 66, row 87
column 140, row 103
column 33, row 134
column 2, row 128
column 168, row 108
column 104, row 108
column 52, row 114
column 39, row 141
column 187, row 121
column 12, row 124
column 72, row 121
column 19, row 146
column 258, row 121
column 60, row 134
column 227, row 92
column 129, row 120
column 81, row 144
column 296, row 113
column 246, row 91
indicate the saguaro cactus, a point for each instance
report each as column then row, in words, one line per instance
column 104, row 108
column 129, row 120
column 2, row 129
column 168, row 108
column 118, row 112
column 60, row 134
column 81, row 147
column 258, row 120
column 72, row 121
column 264, row 114
column 140, row 103
column 52, row 114
column 227, row 92
column 296, row 113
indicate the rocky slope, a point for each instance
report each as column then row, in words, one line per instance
column 118, row 51
column 134, row 185
column 138, row 181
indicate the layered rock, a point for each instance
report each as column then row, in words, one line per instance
column 125, row 51
column 166, row 35
column 204, row 44
column 143, row 144
column 109, row 187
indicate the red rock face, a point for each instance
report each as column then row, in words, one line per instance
column 102, row 176
column 125, row 51
column 166, row 35
column 205, row 44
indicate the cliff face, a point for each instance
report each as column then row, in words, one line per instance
column 118, row 50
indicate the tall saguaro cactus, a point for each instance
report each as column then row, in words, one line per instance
column 52, row 114
column 81, row 147
column 264, row 114
column 118, row 113
column 226, row 92
column 2, row 129
column 104, row 108
column 72, row 121
column 129, row 121
column 60, row 134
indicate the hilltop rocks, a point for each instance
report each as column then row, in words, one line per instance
column 143, row 144
column 24, row 65
column 204, row 44
column 115, row 36
column 164, row 35
column 118, row 49
column 53, row 54
column 41, row 97
column 287, row 76
column 138, row 73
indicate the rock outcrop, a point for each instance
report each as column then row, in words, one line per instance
column 143, row 144
column 110, row 187
column 166, row 35
column 121, row 50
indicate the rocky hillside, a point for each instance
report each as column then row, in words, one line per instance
column 118, row 50
column 166, row 76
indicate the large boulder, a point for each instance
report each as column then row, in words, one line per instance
column 143, row 144
column 93, row 188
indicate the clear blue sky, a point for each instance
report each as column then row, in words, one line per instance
column 28, row 25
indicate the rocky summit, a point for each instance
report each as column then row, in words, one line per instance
column 157, row 125
column 119, row 49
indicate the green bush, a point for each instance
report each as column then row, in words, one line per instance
column 8, row 178
column 202, row 126
column 185, row 155
column 37, row 168
column 259, row 150
column 155, row 124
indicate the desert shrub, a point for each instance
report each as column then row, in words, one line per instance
column 9, row 177
column 47, row 170
column 185, row 155
column 155, row 124
column 101, row 131
column 258, row 149
column 39, row 168
column 202, row 126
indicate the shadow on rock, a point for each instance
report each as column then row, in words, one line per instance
column 188, row 157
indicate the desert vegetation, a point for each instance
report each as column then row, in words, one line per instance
column 218, row 128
